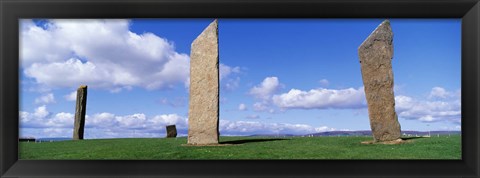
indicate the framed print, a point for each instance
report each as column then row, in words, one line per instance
column 239, row 88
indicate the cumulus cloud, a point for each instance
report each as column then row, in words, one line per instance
column 326, row 129
column 108, row 125
column 263, row 93
column 45, row 99
column 41, row 112
column 265, row 89
column 99, row 125
column 242, row 107
column 349, row 98
column 448, row 108
column 41, row 124
column 231, row 84
column 138, row 121
column 229, row 80
column 428, row 110
column 99, row 53
column 260, row 106
column 42, row 118
column 441, row 93
column 71, row 97
column 170, row 119
column 225, row 70
column 253, row 127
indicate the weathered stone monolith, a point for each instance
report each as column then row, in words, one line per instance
column 171, row 131
column 204, row 88
column 80, row 110
column 376, row 54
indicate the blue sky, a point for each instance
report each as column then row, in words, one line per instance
column 278, row 76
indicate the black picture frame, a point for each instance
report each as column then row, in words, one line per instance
column 13, row 10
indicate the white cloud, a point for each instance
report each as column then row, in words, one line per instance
column 42, row 118
column 42, row 123
column 37, row 45
column 321, row 99
column 60, row 120
column 225, row 70
column 438, row 92
column 253, row 127
column 264, row 90
column 137, row 121
column 101, row 120
column 260, row 106
column 228, row 81
column 99, row 53
column 429, row 111
column 242, row 107
column 441, row 93
column 170, row 119
column 231, row 84
column 41, row 112
column 99, row 125
column 151, row 126
column 447, row 109
column 134, row 121
column 325, row 129
column 45, row 99
column 71, row 97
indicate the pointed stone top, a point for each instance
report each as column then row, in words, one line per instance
column 386, row 21
column 211, row 31
column 214, row 24
column 82, row 86
column 382, row 33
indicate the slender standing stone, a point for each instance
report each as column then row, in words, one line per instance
column 171, row 131
column 204, row 92
column 80, row 111
column 376, row 54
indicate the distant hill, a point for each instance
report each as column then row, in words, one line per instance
column 359, row 133
column 368, row 133
column 52, row 139
column 273, row 135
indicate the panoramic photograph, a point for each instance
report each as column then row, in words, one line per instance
column 235, row 89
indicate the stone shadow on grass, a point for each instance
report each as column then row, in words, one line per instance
column 242, row 141
column 411, row 138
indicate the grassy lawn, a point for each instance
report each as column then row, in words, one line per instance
column 443, row 147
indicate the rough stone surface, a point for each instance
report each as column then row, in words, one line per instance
column 80, row 110
column 171, row 131
column 204, row 88
column 376, row 54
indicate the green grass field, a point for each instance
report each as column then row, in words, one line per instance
column 443, row 147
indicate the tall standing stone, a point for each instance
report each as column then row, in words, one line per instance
column 376, row 54
column 80, row 111
column 171, row 131
column 204, row 88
